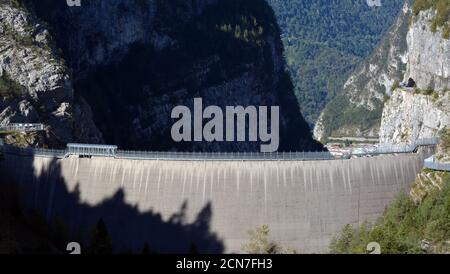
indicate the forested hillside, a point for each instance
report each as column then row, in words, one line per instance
column 406, row 227
column 414, row 223
column 134, row 61
column 414, row 47
column 325, row 40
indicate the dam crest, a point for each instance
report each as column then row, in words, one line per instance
column 305, row 202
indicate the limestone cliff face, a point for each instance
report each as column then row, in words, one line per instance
column 428, row 55
column 134, row 61
column 43, row 90
column 356, row 111
column 409, row 50
column 408, row 116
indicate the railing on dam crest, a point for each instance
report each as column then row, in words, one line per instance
column 22, row 127
column 433, row 163
column 90, row 150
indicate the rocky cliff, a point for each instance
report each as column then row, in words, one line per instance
column 424, row 111
column 356, row 111
column 35, row 85
column 411, row 49
column 428, row 54
column 134, row 61
column 409, row 116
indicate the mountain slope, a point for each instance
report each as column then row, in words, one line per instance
column 407, row 227
column 35, row 84
column 415, row 47
column 134, row 61
column 356, row 111
column 325, row 40
column 424, row 111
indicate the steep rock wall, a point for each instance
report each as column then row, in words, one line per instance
column 356, row 111
column 428, row 54
column 409, row 50
column 423, row 112
column 408, row 117
column 40, row 88
column 135, row 60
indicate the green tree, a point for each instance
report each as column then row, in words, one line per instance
column 323, row 45
column 396, row 85
column 404, row 225
column 445, row 139
column 237, row 32
column 146, row 250
column 9, row 87
column 101, row 242
column 194, row 249
column 259, row 242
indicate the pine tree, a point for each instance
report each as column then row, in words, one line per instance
column 101, row 242
column 260, row 243
column 146, row 250
column 194, row 249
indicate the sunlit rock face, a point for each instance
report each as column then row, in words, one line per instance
column 134, row 61
column 428, row 55
column 410, row 49
column 357, row 110
column 408, row 117
column 39, row 88
column 412, row 114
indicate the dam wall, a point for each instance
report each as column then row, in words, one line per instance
column 172, row 205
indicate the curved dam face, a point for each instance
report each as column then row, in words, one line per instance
column 173, row 204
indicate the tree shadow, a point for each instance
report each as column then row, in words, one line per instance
column 129, row 229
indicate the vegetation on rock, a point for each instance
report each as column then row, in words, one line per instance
column 9, row 88
column 442, row 17
column 260, row 243
column 324, row 42
column 443, row 153
column 405, row 227
column 445, row 140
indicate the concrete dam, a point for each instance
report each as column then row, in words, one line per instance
column 173, row 205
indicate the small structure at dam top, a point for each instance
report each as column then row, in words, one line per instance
column 22, row 127
column 93, row 150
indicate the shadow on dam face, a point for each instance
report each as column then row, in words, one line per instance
column 46, row 192
column 173, row 204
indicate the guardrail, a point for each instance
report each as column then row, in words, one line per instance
column 432, row 163
column 23, row 127
column 41, row 152
column 92, row 150
column 225, row 156
column 393, row 149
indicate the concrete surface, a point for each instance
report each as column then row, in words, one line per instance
column 304, row 203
